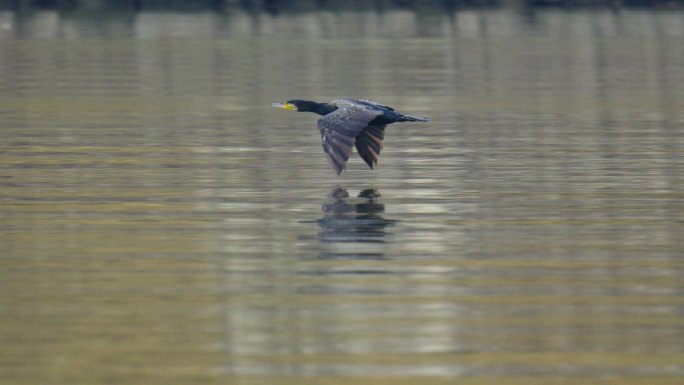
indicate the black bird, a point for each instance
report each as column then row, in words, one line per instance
column 350, row 122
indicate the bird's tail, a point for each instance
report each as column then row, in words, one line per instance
column 411, row 118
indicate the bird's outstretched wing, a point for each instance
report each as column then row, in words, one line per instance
column 339, row 131
column 369, row 143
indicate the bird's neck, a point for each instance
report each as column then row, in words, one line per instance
column 323, row 108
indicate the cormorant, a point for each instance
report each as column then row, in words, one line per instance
column 350, row 122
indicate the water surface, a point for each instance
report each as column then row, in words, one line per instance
column 161, row 223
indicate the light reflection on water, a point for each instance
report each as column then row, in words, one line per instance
column 160, row 221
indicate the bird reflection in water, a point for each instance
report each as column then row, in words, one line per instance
column 353, row 228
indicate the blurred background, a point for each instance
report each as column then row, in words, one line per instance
column 160, row 223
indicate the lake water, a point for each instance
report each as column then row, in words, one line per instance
column 161, row 223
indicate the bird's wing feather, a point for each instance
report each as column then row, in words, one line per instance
column 369, row 143
column 376, row 104
column 339, row 131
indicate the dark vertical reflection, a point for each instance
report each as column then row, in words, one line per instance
column 349, row 220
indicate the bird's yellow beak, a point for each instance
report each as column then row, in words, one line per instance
column 285, row 105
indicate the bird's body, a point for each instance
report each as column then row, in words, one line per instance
column 347, row 123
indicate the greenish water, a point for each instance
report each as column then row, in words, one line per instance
column 160, row 223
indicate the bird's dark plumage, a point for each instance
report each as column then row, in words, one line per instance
column 347, row 123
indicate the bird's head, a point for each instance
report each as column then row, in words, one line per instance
column 298, row 105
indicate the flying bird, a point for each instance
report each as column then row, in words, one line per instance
column 347, row 123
